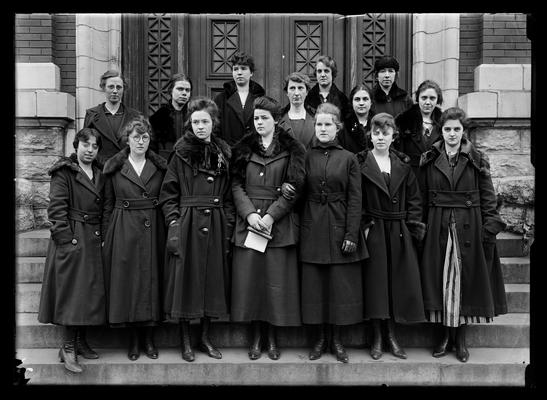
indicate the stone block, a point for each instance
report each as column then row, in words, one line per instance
column 55, row 105
column 40, row 141
column 497, row 140
column 498, row 77
column 432, row 22
column 525, row 143
column 69, row 138
column 514, row 104
column 34, row 167
column 25, row 104
column 23, row 192
column 519, row 219
column 504, row 165
column 41, row 220
column 527, row 77
column 33, row 76
column 24, row 218
column 436, row 47
column 479, row 104
column 519, row 191
column 40, row 194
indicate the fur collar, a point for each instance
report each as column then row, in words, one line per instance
column 333, row 91
column 410, row 121
column 72, row 163
column 198, row 153
column 362, row 155
column 394, row 93
column 255, row 89
column 116, row 162
column 478, row 159
column 282, row 141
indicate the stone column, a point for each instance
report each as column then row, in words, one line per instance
column 436, row 51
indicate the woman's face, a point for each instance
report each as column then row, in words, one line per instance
column 361, row 102
column 325, row 127
column 138, row 142
column 87, row 151
column 453, row 132
column 181, row 92
column 296, row 92
column 381, row 138
column 202, row 125
column 113, row 89
column 241, row 74
column 323, row 74
column 386, row 77
column 264, row 122
column 427, row 100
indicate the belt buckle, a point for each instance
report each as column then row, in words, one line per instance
column 323, row 198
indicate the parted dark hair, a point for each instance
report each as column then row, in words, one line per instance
column 329, row 62
column 429, row 84
column 140, row 124
column 202, row 103
column 177, row 78
column 329, row 108
column 84, row 134
column 112, row 73
column 457, row 114
column 298, row 77
column 361, row 86
column 269, row 104
column 382, row 121
column 242, row 58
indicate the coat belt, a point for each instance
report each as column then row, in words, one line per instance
column 200, row 201
column 393, row 215
column 326, row 197
column 84, row 216
column 137, row 204
column 450, row 199
column 263, row 192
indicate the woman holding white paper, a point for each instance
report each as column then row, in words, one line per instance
column 265, row 285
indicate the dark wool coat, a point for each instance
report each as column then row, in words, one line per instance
column 332, row 206
column 411, row 141
column 307, row 134
column 335, row 96
column 135, row 239
column 395, row 103
column 472, row 195
column 353, row 136
column 165, row 134
column 250, row 167
column 236, row 121
column 391, row 276
column 197, row 277
column 73, row 290
column 111, row 141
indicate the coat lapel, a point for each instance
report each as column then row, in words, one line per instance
column 84, row 180
column 441, row 163
column 371, row 170
column 460, row 167
column 102, row 126
column 309, row 129
column 129, row 172
column 398, row 173
column 148, row 171
column 283, row 154
column 235, row 103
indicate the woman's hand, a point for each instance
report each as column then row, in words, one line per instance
column 288, row 191
column 256, row 222
column 348, row 247
column 268, row 220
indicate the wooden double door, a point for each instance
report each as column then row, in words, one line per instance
column 155, row 46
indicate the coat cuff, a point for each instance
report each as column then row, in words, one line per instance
column 417, row 229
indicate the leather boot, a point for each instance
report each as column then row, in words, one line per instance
column 462, row 353
column 336, row 346
column 273, row 351
column 321, row 343
column 149, row 348
column 186, row 344
column 376, row 346
column 443, row 346
column 255, row 351
column 396, row 350
column 134, row 351
column 83, row 348
column 205, row 344
column 68, row 352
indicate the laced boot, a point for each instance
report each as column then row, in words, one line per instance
column 376, row 346
column 443, row 346
column 255, row 351
column 396, row 350
column 149, row 348
column 68, row 353
column 273, row 351
column 186, row 344
column 83, row 348
column 336, row 346
column 205, row 344
column 321, row 344
column 462, row 353
column 133, row 352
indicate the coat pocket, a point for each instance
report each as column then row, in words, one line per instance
column 173, row 238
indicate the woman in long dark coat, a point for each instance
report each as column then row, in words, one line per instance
column 461, row 273
column 196, row 198
column 331, row 243
column 134, row 244
column 391, row 220
column 265, row 285
column 73, row 292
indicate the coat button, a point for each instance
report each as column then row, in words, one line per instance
column 326, row 153
column 147, row 223
column 210, row 179
column 204, row 230
column 125, row 203
column 216, row 201
column 323, row 183
column 206, row 211
column 97, row 200
column 394, row 201
column 467, row 243
column 466, row 226
column 86, row 217
column 145, row 195
column 468, row 203
column 261, row 174
column 74, row 241
column 278, row 189
column 259, row 211
column 97, row 233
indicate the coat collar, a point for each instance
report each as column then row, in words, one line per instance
column 370, row 168
column 394, row 93
column 117, row 161
column 334, row 144
column 199, row 154
column 410, row 124
column 308, row 131
column 101, row 124
column 71, row 163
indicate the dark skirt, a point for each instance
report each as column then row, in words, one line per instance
column 265, row 286
column 332, row 294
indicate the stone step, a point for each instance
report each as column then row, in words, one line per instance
column 28, row 297
column 515, row 269
column 485, row 367
column 509, row 331
column 511, row 245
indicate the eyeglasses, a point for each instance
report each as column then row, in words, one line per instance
column 137, row 139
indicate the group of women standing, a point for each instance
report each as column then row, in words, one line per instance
column 343, row 209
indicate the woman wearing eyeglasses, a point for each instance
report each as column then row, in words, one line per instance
column 135, row 238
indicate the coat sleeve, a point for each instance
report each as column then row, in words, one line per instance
column 170, row 191
column 87, row 119
column 59, row 203
column 492, row 223
column 109, row 199
column 414, row 207
column 354, row 197
column 229, row 210
column 281, row 207
column 243, row 204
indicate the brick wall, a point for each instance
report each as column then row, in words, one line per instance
column 64, row 50
column 33, row 38
column 504, row 39
column 470, row 50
